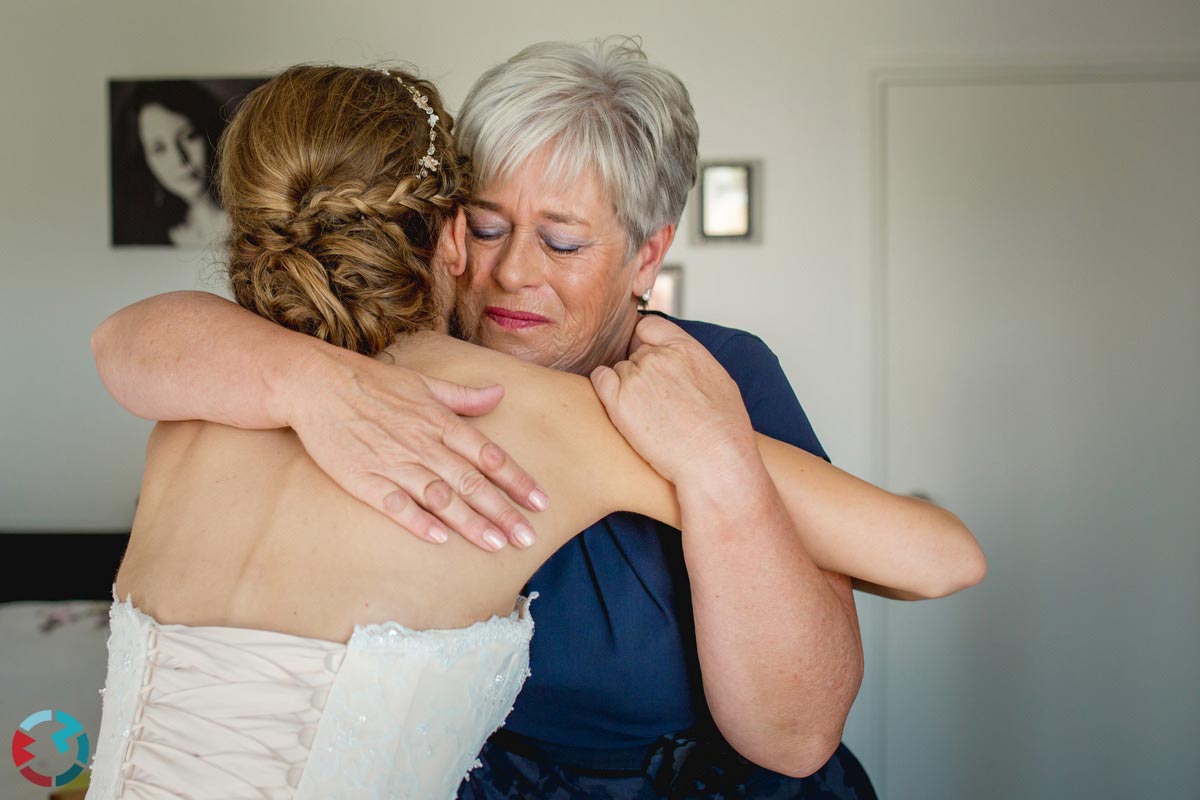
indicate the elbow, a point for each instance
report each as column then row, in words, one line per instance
column 799, row 757
column 798, row 746
column 967, row 567
column 815, row 756
column 101, row 343
column 108, row 355
column 975, row 567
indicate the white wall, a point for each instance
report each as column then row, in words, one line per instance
column 786, row 82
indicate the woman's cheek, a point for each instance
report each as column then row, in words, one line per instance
column 479, row 268
column 198, row 157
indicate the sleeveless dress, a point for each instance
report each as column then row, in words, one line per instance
column 208, row 711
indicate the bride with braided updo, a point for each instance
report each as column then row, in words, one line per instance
column 335, row 220
column 272, row 636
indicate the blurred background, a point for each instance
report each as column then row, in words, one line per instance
column 977, row 257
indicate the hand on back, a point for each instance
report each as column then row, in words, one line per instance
column 391, row 437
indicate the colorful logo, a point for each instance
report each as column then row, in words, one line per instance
column 71, row 729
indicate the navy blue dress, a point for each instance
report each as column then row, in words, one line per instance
column 614, row 707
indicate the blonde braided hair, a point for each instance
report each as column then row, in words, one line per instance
column 332, row 233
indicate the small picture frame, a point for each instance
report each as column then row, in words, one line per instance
column 727, row 202
column 667, row 294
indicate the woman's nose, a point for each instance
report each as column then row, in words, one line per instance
column 182, row 157
column 520, row 263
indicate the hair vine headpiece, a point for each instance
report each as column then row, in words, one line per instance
column 427, row 162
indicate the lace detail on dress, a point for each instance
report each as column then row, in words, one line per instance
column 243, row 713
column 417, row 737
column 126, row 666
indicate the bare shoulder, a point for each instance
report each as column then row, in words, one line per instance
column 553, row 424
column 528, row 384
column 171, row 442
column 558, row 399
column 189, row 461
column 534, row 396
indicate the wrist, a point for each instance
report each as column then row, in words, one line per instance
column 729, row 468
column 291, row 377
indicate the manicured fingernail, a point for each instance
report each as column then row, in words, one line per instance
column 439, row 535
column 494, row 539
column 539, row 499
column 524, row 535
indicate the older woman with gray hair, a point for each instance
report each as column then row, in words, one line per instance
column 584, row 159
column 715, row 662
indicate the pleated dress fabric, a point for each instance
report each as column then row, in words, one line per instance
column 208, row 711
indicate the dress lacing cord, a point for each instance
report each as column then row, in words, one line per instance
column 232, row 710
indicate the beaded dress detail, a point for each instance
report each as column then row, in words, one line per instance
column 207, row 711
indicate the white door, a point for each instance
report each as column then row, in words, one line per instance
column 1041, row 265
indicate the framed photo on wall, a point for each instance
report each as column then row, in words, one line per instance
column 163, row 136
column 728, row 202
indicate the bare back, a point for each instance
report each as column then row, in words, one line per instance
column 241, row 528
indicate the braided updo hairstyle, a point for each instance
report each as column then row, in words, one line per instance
column 332, row 229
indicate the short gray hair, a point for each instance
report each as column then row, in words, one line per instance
column 602, row 108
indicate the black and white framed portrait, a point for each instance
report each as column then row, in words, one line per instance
column 163, row 138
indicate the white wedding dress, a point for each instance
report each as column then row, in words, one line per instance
column 219, row 712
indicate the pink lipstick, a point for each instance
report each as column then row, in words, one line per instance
column 512, row 320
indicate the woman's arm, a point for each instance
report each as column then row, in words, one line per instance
column 891, row 544
column 853, row 527
column 777, row 636
column 387, row 436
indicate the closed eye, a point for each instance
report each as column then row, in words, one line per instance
column 487, row 234
column 562, row 248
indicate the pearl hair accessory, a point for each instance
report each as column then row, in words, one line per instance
column 427, row 162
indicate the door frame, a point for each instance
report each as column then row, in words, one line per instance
column 882, row 80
